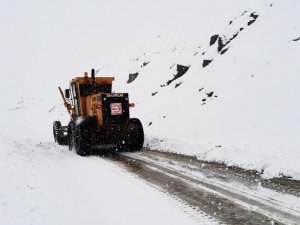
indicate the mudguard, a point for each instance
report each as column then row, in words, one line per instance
column 89, row 122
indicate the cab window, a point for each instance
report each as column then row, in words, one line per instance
column 88, row 89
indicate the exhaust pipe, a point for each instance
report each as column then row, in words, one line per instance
column 93, row 80
column 93, row 76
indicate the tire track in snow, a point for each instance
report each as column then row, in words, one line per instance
column 227, row 207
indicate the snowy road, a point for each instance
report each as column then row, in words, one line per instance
column 231, row 198
column 43, row 183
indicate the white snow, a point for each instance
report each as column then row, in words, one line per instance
column 251, row 120
column 42, row 183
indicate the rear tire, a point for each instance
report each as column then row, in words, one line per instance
column 82, row 141
column 134, row 137
column 58, row 133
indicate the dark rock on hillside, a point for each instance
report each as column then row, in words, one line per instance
column 297, row 39
column 254, row 16
column 132, row 77
column 145, row 64
column 181, row 70
column 206, row 62
column 178, row 84
column 233, row 37
column 210, row 94
column 250, row 22
column 213, row 39
column 220, row 44
column 223, row 51
column 154, row 93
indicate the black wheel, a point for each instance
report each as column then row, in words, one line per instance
column 134, row 135
column 58, row 133
column 71, row 135
column 82, row 141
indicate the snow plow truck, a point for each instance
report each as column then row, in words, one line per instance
column 97, row 117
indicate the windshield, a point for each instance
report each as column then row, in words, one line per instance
column 87, row 89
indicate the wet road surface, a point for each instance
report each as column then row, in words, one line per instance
column 230, row 195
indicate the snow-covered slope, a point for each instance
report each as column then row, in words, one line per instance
column 242, row 108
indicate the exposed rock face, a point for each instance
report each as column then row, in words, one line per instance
column 254, row 16
column 132, row 77
column 210, row 94
column 145, row 64
column 181, row 70
column 297, row 39
column 206, row 62
column 223, row 51
column 220, row 44
column 213, row 39
column 178, row 84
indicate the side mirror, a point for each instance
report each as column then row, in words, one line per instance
column 67, row 93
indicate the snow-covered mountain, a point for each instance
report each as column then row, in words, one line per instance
column 216, row 79
column 237, row 101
